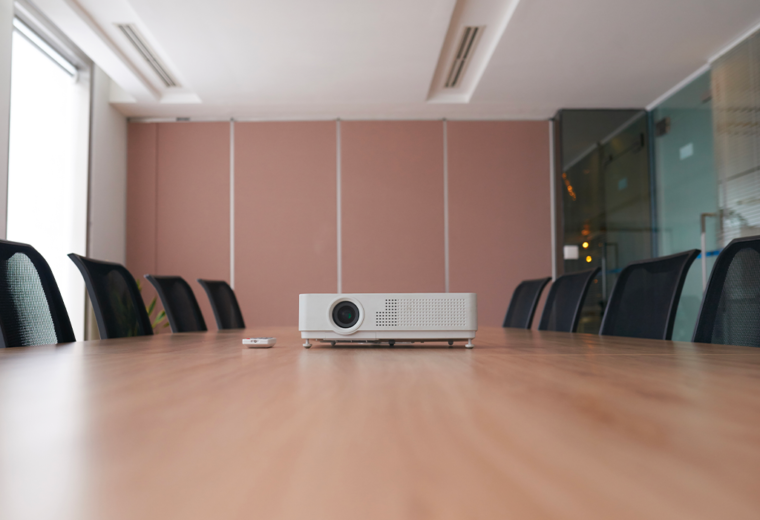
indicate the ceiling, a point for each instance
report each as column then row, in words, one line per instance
column 300, row 59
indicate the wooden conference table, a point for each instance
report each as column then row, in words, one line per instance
column 527, row 425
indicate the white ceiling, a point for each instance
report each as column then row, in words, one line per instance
column 301, row 59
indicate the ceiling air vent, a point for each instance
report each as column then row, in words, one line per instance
column 465, row 50
column 137, row 39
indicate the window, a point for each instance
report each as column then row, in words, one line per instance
column 48, row 156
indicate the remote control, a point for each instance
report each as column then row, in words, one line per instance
column 259, row 342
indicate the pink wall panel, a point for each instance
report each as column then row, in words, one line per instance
column 142, row 156
column 193, row 215
column 499, row 210
column 392, row 206
column 285, row 217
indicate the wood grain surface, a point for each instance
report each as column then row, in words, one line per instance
column 527, row 425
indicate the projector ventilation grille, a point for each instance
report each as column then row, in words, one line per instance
column 422, row 313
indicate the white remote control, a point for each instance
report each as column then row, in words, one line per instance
column 259, row 342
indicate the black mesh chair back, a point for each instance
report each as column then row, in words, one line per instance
column 730, row 312
column 644, row 301
column 564, row 304
column 32, row 311
column 224, row 304
column 179, row 302
column 523, row 305
column 119, row 308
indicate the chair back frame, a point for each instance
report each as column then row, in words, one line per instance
column 98, row 306
column 193, row 302
column 533, row 304
column 58, row 313
column 688, row 258
column 237, row 315
column 546, row 314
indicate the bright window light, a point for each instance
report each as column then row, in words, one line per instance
column 47, row 180
column 43, row 46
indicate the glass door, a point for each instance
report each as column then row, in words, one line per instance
column 687, row 189
column 606, row 198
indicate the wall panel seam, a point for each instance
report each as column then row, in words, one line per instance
column 338, row 205
column 446, row 205
column 155, row 204
column 232, row 203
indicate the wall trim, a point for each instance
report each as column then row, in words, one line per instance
column 678, row 86
column 338, row 205
column 303, row 119
column 552, row 200
column 728, row 48
column 232, row 203
column 446, row 204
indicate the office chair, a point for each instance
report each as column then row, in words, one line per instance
column 523, row 305
column 562, row 310
column 644, row 301
column 224, row 303
column 179, row 302
column 730, row 311
column 32, row 311
column 119, row 308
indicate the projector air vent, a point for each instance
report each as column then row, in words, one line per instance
column 422, row 312
column 465, row 50
column 137, row 39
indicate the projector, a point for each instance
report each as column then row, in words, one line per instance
column 388, row 318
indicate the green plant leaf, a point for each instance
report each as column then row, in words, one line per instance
column 161, row 317
column 166, row 324
column 139, row 285
column 151, row 306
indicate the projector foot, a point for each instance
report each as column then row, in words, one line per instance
column 469, row 344
column 307, row 344
column 392, row 343
column 451, row 343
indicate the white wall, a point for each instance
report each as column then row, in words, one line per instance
column 6, row 36
column 108, row 176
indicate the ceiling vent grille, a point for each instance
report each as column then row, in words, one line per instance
column 465, row 50
column 137, row 39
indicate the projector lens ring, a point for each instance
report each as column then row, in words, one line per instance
column 345, row 314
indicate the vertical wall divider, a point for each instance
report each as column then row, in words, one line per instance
column 232, row 203
column 552, row 199
column 155, row 205
column 446, row 205
column 338, row 205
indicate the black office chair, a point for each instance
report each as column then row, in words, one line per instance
column 730, row 311
column 644, row 301
column 564, row 304
column 119, row 308
column 179, row 302
column 523, row 305
column 32, row 311
column 224, row 304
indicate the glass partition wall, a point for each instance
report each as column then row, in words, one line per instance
column 633, row 185
column 606, row 198
column 687, row 190
column 638, row 185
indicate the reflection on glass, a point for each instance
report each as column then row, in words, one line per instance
column 606, row 197
column 687, row 186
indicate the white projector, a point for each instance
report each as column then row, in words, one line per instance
column 388, row 318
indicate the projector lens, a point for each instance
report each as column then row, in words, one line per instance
column 345, row 315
